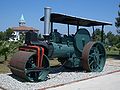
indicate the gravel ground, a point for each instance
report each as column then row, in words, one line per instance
column 10, row 82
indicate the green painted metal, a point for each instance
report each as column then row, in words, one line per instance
column 71, row 54
column 81, row 38
column 72, row 62
column 61, row 50
column 94, row 57
column 97, row 57
column 55, row 36
column 33, row 73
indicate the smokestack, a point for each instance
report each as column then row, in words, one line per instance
column 47, row 12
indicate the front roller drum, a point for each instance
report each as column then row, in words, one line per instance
column 93, row 57
column 23, row 64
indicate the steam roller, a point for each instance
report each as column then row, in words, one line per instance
column 31, row 62
column 77, row 50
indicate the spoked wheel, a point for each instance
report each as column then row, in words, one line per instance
column 34, row 73
column 93, row 57
column 23, row 64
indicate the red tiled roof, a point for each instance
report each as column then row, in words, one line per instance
column 24, row 28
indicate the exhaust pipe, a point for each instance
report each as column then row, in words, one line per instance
column 47, row 12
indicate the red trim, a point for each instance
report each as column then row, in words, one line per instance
column 40, row 53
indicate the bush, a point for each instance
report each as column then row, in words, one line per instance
column 7, row 48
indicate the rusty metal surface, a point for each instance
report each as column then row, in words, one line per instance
column 19, row 59
column 18, row 63
column 93, row 57
column 85, row 55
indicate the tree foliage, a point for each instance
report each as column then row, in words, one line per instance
column 6, row 34
column 109, row 38
column 2, row 35
column 117, row 23
column 98, row 34
column 9, row 33
column 7, row 48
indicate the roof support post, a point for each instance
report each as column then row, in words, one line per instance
column 102, row 33
column 68, row 29
column 77, row 27
column 51, row 27
column 93, row 35
column 93, row 29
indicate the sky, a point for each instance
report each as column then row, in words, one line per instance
column 33, row 10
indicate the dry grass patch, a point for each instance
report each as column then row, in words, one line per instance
column 4, row 67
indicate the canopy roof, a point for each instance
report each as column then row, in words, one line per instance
column 72, row 20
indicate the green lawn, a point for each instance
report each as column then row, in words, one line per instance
column 112, row 52
column 4, row 67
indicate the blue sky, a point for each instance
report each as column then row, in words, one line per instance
column 11, row 10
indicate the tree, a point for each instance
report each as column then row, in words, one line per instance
column 2, row 35
column 7, row 48
column 9, row 33
column 6, row 34
column 110, row 37
column 117, row 23
column 98, row 34
column 4, row 49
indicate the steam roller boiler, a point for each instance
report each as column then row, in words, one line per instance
column 77, row 50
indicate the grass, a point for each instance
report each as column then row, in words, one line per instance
column 54, row 62
column 112, row 52
column 4, row 67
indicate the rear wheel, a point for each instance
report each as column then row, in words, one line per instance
column 93, row 57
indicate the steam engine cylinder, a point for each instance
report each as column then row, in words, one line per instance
column 60, row 50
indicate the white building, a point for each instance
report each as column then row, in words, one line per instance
column 21, row 29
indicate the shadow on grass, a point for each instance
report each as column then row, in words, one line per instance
column 1, row 62
column 116, row 57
